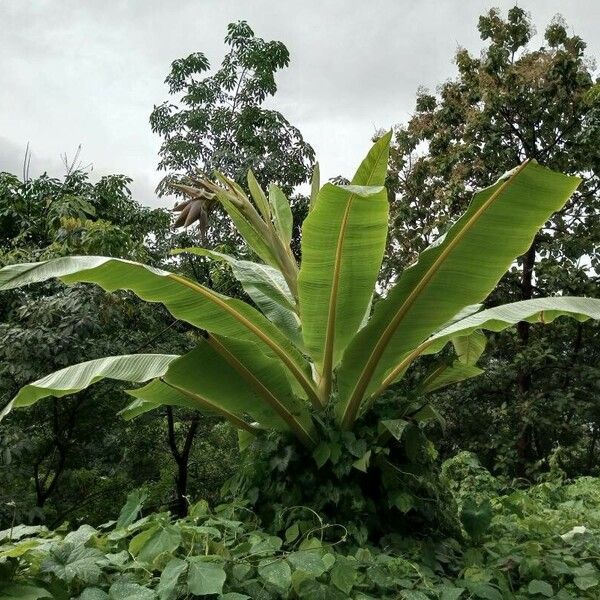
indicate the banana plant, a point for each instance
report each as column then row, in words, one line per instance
column 313, row 339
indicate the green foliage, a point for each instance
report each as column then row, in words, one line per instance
column 312, row 360
column 380, row 477
column 48, row 217
column 77, row 459
column 512, row 102
column 220, row 122
column 540, row 543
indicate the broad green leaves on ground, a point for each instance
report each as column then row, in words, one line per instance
column 538, row 543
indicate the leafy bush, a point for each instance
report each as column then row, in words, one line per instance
column 311, row 360
column 540, row 543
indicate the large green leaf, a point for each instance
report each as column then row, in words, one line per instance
column 258, row 196
column 460, row 269
column 538, row 310
column 282, row 214
column 132, row 508
column 68, row 561
column 343, row 240
column 131, row 367
column 205, row 576
column 265, row 285
column 18, row 591
column 315, row 186
column 150, row 543
column 169, row 578
column 185, row 299
column 373, row 169
column 230, row 378
column 448, row 374
column 469, row 348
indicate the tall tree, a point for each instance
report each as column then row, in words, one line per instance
column 219, row 121
column 507, row 105
column 69, row 460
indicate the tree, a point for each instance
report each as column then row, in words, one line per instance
column 311, row 360
column 508, row 105
column 219, row 121
column 61, row 462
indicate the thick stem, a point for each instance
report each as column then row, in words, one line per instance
column 524, row 443
column 181, row 458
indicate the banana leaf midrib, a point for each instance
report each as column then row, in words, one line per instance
column 268, row 396
column 206, row 403
column 329, row 342
column 352, row 406
column 281, row 353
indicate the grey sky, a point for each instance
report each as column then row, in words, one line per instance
column 88, row 72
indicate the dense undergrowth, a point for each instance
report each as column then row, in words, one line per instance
column 539, row 542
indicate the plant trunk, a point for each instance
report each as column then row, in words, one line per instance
column 524, row 443
column 62, row 429
column 591, row 452
column 181, row 458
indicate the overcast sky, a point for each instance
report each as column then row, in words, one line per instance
column 89, row 72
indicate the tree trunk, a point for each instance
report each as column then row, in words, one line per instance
column 62, row 430
column 591, row 452
column 181, row 458
column 524, row 443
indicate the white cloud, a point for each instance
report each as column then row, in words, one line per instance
column 89, row 72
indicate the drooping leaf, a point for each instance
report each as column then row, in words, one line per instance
column 447, row 375
column 130, row 511
column 150, row 543
column 344, row 573
column 185, row 299
column 235, row 380
column 538, row 310
column 469, row 348
column 266, row 286
column 460, row 268
column 130, row 367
